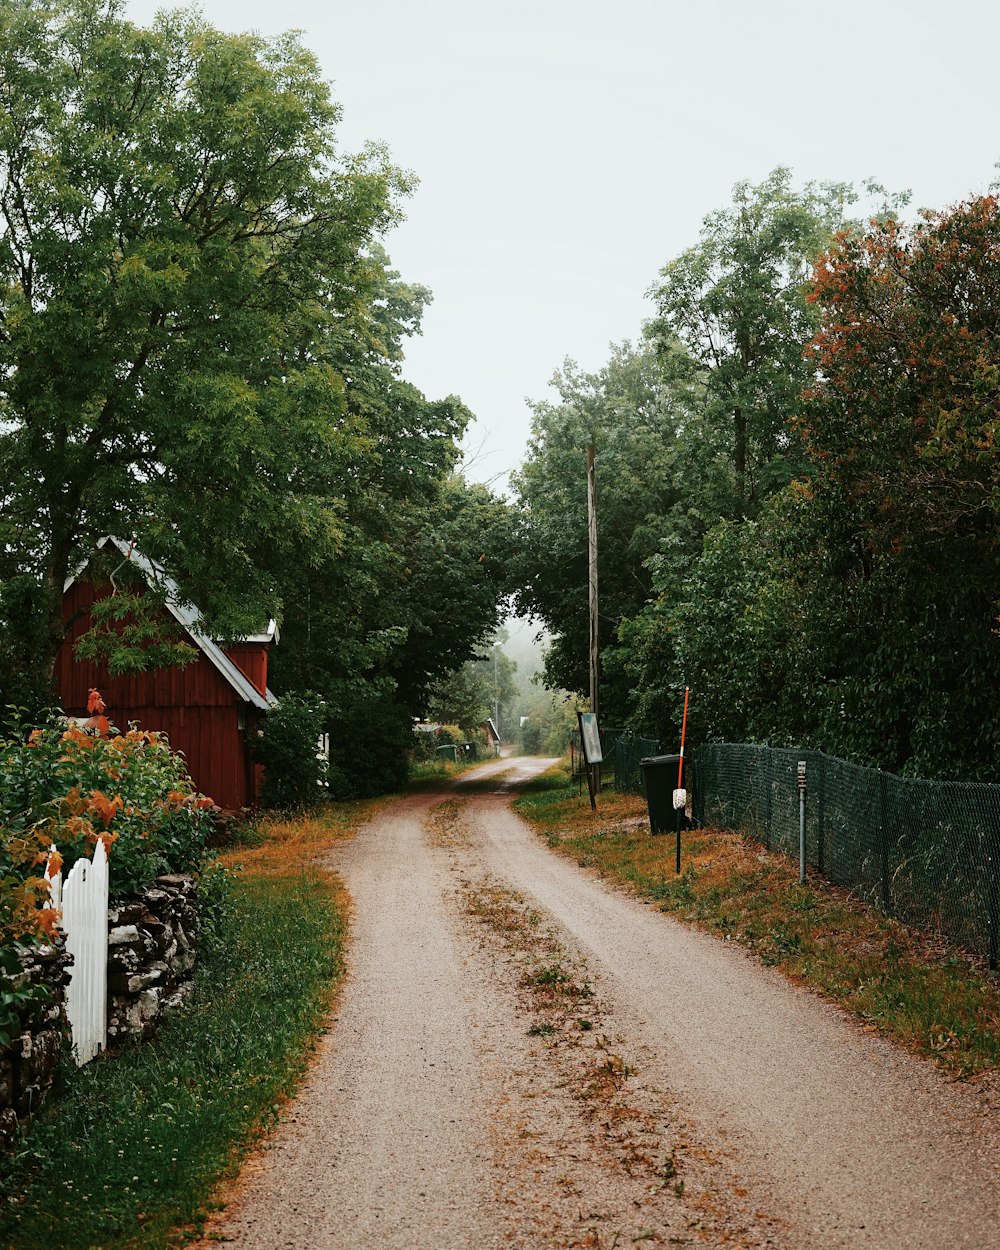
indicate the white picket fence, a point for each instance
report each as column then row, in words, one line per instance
column 83, row 901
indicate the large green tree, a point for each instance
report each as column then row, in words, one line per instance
column 902, row 428
column 858, row 611
column 737, row 301
column 637, row 419
column 696, row 427
column 418, row 583
column 185, row 265
column 485, row 686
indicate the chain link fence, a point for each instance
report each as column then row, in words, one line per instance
column 926, row 852
column 622, row 751
column 629, row 750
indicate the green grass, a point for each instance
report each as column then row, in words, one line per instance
column 130, row 1153
column 428, row 774
column 910, row 985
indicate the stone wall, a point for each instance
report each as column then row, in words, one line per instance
column 151, row 956
column 28, row 1065
column 151, row 959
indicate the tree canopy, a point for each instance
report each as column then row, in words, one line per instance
column 186, row 265
column 201, row 344
column 635, row 418
column 858, row 612
column 816, row 550
column 201, row 339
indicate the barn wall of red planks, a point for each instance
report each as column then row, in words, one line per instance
column 195, row 706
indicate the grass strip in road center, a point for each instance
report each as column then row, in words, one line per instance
column 130, row 1154
column 910, row 985
column 631, row 1161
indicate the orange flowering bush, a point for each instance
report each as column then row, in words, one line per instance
column 75, row 784
column 24, row 921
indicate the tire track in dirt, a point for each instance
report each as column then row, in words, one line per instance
column 591, row 1154
column 387, row 1145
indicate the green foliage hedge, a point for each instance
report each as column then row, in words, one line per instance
column 294, row 771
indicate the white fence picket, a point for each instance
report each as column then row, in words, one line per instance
column 84, row 896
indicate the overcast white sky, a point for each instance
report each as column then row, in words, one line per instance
column 567, row 150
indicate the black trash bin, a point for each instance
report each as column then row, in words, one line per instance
column 659, row 781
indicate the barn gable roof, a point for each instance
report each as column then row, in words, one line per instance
column 188, row 617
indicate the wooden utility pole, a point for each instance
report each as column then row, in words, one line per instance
column 592, row 551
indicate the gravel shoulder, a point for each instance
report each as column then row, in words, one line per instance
column 449, row 1108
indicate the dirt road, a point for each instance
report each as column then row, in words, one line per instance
column 684, row 1096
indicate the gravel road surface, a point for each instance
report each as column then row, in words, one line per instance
column 863, row 1145
column 434, row 1118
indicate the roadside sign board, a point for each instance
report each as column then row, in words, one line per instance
column 591, row 738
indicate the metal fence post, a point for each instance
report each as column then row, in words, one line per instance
column 993, row 886
column 821, row 817
column 769, row 797
column 802, row 822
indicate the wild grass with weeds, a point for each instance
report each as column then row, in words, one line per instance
column 429, row 774
column 131, row 1153
column 915, row 988
column 557, row 993
column 279, row 844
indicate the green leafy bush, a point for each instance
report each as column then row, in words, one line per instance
column 424, row 746
column 295, row 772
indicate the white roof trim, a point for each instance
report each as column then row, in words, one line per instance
column 271, row 634
column 188, row 618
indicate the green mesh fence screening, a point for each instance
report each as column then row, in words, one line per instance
column 609, row 742
column 927, row 852
column 629, row 750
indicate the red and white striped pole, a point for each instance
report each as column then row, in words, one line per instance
column 684, row 723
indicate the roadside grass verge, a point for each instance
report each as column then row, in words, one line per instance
column 427, row 774
column 914, row 987
column 130, row 1154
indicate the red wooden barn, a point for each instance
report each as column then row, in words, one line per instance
column 210, row 709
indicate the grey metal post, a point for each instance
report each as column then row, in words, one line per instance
column 802, row 822
column 992, row 826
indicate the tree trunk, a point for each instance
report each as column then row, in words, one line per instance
column 740, row 458
column 56, row 572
